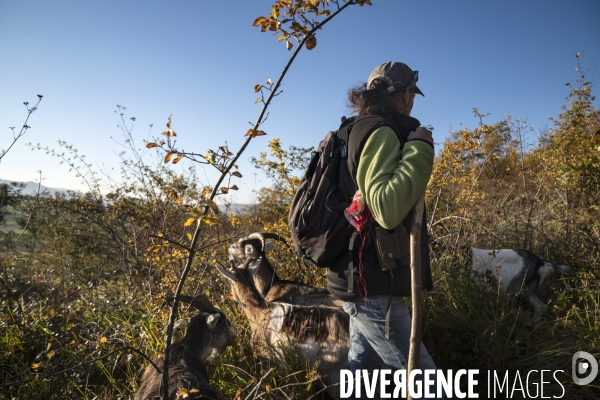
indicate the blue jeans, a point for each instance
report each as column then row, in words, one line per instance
column 367, row 336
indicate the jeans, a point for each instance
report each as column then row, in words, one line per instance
column 367, row 336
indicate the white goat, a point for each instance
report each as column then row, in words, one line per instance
column 517, row 271
column 319, row 332
column 266, row 280
column 208, row 334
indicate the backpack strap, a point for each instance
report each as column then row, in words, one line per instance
column 351, row 263
column 362, row 129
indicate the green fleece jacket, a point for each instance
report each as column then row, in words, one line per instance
column 390, row 181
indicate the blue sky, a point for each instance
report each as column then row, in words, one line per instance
column 199, row 61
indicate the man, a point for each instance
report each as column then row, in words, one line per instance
column 392, row 164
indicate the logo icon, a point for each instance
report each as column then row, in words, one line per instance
column 583, row 363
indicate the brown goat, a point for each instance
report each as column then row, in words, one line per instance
column 208, row 334
column 319, row 332
column 266, row 280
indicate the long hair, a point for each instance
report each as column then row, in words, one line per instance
column 374, row 101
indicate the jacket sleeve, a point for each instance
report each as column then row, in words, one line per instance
column 390, row 181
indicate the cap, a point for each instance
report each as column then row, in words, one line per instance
column 396, row 75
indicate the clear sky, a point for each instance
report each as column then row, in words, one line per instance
column 199, row 61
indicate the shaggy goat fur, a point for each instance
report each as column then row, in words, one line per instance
column 320, row 333
column 208, row 334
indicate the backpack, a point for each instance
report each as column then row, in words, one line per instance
column 320, row 231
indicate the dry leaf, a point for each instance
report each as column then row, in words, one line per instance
column 257, row 88
column 288, row 45
column 311, row 42
column 151, row 145
column 234, row 187
column 178, row 158
column 224, row 190
column 269, row 81
column 236, row 173
column 213, row 206
column 258, row 21
column 168, row 156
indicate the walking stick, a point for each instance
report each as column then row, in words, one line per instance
column 416, row 286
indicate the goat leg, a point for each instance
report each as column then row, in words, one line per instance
column 416, row 285
column 538, row 305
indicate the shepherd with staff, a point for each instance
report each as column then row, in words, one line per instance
column 391, row 157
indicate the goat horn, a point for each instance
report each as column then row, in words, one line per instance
column 257, row 235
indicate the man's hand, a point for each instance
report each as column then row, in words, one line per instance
column 421, row 133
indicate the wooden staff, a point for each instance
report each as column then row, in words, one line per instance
column 416, row 286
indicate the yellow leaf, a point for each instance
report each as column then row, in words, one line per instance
column 207, row 293
column 258, row 21
column 288, row 45
column 103, row 339
column 268, row 389
column 178, row 158
column 224, row 190
column 234, row 187
column 228, row 296
column 182, row 393
column 257, row 88
column 236, row 173
column 280, row 39
column 209, row 220
column 189, row 236
column 151, row 145
column 50, row 354
column 190, row 221
column 258, row 100
column 36, row 365
column 169, row 121
column 48, row 347
column 194, row 390
column 205, row 193
column 269, row 81
column 168, row 156
column 311, row 42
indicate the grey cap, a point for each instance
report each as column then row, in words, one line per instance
column 396, row 75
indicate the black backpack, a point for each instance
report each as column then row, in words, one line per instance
column 320, row 231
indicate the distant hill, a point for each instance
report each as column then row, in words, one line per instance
column 236, row 208
column 32, row 188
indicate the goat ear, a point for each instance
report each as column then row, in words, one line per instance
column 269, row 246
column 212, row 320
column 181, row 324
